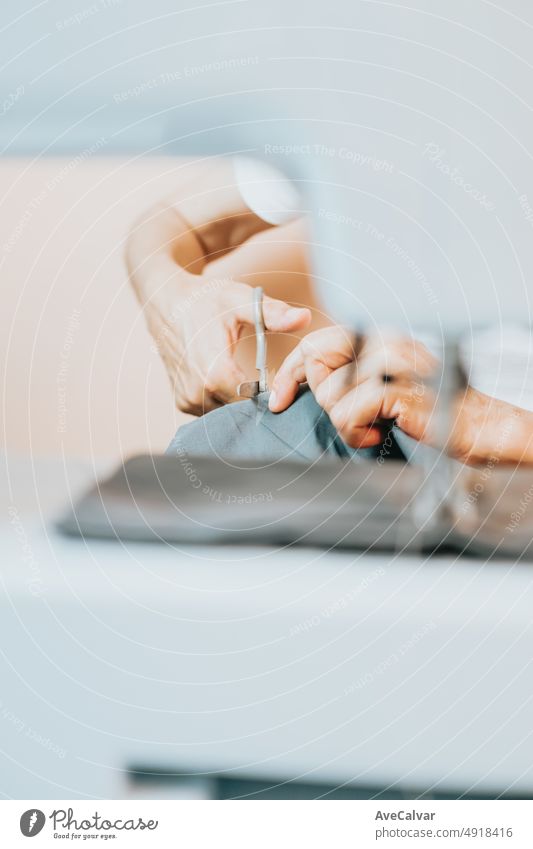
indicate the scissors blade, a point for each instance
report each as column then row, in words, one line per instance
column 251, row 388
column 260, row 339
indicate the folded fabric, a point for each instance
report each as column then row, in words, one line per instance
column 247, row 430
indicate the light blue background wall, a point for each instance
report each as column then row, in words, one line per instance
column 434, row 235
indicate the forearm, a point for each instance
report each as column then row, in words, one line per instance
column 516, row 435
column 211, row 203
column 491, row 430
column 178, row 238
column 154, row 245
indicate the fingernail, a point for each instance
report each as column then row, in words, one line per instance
column 272, row 401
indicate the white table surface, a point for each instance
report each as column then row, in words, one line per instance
column 340, row 667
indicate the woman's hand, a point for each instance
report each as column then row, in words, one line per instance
column 196, row 325
column 195, row 318
column 361, row 382
column 349, row 383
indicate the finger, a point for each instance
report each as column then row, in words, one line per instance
column 374, row 363
column 326, row 352
column 316, row 373
column 190, row 395
column 205, row 379
column 362, row 407
column 287, row 381
column 222, row 379
column 313, row 360
column 364, row 437
column 196, row 406
column 399, row 362
column 191, row 398
column 373, row 367
column 335, row 385
column 395, row 356
column 279, row 316
column 355, row 415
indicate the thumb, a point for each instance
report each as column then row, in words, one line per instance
column 279, row 316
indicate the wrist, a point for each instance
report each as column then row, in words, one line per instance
column 521, row 449
column 216, row 211
column 499, row 432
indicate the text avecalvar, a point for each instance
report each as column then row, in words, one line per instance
column 404, row 815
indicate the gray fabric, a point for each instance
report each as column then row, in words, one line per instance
column 247, row 430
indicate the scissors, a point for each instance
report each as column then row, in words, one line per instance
column 252, row 388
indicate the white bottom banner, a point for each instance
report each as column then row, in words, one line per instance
column 266, row 824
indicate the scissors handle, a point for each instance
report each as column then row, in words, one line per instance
column 260, row 339
column 252, row 388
